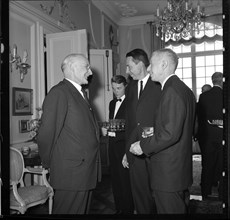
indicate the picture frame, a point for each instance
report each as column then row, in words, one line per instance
column 22, row 101
column 24, row 126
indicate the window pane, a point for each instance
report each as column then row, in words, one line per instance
column 219, row 69
column 187, row 73
column 198, row 92
column 218, row 45
column 200, row 71
column 219, row 59
column 179, row 73
column 209, row 81
column 210, row 70
column 209, row 60
column 200, row 82
column 186, row 49
column 180, row 63
column 177, row 49
column 199, row 47
column 200, row 61
column 188, row 82
column 210, row 33
column 219, row 32
column 209, row 46
column 187, row 62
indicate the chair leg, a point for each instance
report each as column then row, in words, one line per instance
column 50, row 204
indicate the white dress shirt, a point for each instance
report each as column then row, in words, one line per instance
column 118, row 104
column 144, row 80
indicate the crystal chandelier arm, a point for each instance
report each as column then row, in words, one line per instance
column 178, row 20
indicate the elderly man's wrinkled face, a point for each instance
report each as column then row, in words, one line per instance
column 82, row 71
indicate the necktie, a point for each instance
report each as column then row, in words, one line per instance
column 118, row 100
column 141, row 88
column 85, row 96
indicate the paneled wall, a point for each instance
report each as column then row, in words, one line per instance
column 29, row 20
column 22, row 34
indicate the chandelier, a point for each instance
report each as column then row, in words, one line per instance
column 178, row 20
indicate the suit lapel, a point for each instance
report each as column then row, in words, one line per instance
column 112, row 109
column 79, row 97
column 120, row 111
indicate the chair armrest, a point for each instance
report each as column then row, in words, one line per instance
column 38, row 170
column 17, row 196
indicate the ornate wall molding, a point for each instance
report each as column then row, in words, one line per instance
column 63, row 12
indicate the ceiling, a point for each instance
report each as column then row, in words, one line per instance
column 128, row 12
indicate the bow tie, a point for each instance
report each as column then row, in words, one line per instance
column 118, row 100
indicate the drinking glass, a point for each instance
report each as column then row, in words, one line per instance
column 147, row 132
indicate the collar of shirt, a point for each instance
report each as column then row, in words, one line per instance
column 122, row 98
column 144, row 80
column 77, row 86
column 218, row 86
column 162, row 86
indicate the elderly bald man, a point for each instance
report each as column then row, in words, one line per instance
column 68, row 139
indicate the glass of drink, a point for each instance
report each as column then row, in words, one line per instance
column 147, row 132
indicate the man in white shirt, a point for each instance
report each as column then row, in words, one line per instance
column 119, row 176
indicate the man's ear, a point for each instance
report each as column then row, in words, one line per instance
column 164, row 63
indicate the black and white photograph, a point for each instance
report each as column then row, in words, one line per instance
column 115, row 108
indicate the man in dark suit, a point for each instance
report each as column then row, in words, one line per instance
column 141, row 108
column 210, row 135
column 68, row 139
column 119, row 176
column 170, row 146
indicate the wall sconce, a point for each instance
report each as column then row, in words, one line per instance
column 19, row 64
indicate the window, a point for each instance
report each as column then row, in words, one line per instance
column 198, row 61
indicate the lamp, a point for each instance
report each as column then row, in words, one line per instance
column 178, row 20
column 19, row 63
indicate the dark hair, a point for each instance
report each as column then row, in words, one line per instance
column 139, row 55
column 217, row 78
column 119, row 79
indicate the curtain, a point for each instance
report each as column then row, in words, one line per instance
column 214, row 19
column 156, row 42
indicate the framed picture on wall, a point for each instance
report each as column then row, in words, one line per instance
column 22, row 101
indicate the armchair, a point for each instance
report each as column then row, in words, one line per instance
column 23, row 197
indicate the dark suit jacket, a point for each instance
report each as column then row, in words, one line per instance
column 140, row 112
column 210, row 107
column 120, row 136
column 171, row 145
column 68, row 139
